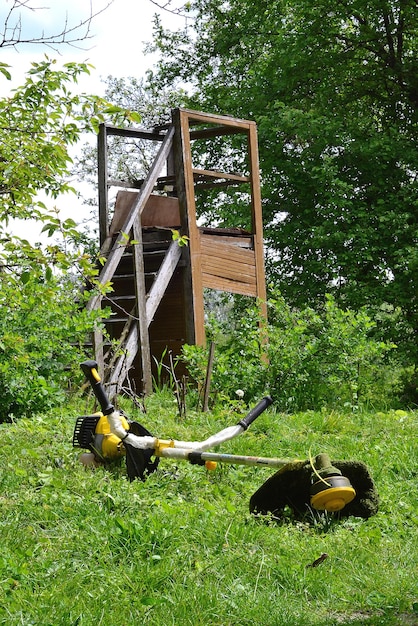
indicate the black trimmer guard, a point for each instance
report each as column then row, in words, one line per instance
column 290, row 487
column 138, row 462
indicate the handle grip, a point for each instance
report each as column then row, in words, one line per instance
column 255, row 412
column 90, row 371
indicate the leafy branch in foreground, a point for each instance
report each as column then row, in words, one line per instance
column 39, row 122
column 44, row 326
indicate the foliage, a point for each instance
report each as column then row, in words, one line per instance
column 315, row 358
column 181, row 548
column 43, row 323
column 333, row 89
column 39, row 122
column 41, row 343
column 327, row 357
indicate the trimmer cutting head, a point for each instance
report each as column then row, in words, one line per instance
column 344, row 488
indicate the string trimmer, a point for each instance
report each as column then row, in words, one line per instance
column 343, row 487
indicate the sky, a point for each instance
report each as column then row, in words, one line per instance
column 119, row 34
column 116, row 47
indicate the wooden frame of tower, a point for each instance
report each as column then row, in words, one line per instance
column 157, row 300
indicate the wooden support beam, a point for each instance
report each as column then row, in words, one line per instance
column 209, row 118
column 217, row 131
column 162, row 279
column 193, row 287
column 120, row 371
column 102, row 183
column 135, row 133
column 257, row 220
column 220, row 175
column 138, row 205
column 141, row 297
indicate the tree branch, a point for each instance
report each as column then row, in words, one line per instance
column 166, row 6
column 12, row 36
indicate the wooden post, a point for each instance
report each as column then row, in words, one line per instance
column 256, row 218
column 193, row 288
column 141, row 307
column 102, row 183
column 208, row 376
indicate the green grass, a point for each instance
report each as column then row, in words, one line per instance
column 87, row 547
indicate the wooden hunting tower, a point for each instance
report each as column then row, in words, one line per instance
column 157, row 300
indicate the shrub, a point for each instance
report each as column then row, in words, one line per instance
column 326, row 357
column 315, row 358
column 42, row 337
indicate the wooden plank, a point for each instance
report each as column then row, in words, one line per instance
column 234, row 271
column 162, row 279
column 223, row 284
column 138, row 205
column 213, row 174
column 227, row 250
column 245, row 243
column 225, row 267
column 231, row 256
column 159, row 211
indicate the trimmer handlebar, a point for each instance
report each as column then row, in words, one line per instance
column 255, row 412
column 90, row 371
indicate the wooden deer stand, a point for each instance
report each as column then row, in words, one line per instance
column 157, row 298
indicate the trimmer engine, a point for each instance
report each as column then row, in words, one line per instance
column 92, row 432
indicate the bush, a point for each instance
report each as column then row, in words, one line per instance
column 312, row 358
column 326, row 357
column 42, row 339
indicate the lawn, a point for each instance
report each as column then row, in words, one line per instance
column 87, row 547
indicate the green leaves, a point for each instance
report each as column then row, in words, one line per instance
column 316, row 358
column 5, row 71
column 44, row 326
column 182, row 240
column 39, row 122
column 42, row 340
column 333, row 88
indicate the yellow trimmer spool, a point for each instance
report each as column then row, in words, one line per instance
column 333, row 499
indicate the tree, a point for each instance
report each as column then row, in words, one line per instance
column 43, row 322
column 333, row 87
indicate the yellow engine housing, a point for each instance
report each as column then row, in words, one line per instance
column 106, row 444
